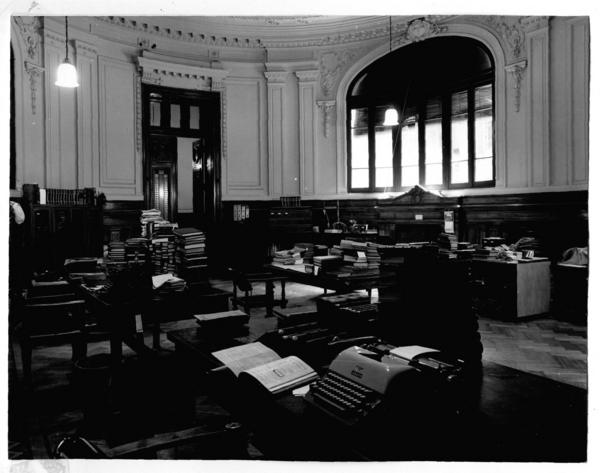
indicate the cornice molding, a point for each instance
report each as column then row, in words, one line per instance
column 161, row 72
column 85, row 49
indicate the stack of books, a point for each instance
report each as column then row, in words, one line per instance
column 190, row 253
column 149, row 216
column 163, row 254
column 136, row 250
column 288, row 257
column 307, row 250
column 327, row 264
column 165, row 284
column 116, row 252
column 358, row 257
column 448, row 241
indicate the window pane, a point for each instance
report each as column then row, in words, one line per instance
column 433, row 174
column 433, row 141
column 154, row 113
column 194, row 117
column 384, row 177
column 360, row 178
column 359, row 118
column 459, row 172
column 175, row 115
column 410, row 141
column 410, row 175
column 360, row 148
column 484, row 131
column 459, row 132
column 484, row 169
column 384, row 151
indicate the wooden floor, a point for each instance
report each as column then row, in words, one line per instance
column 545, row 346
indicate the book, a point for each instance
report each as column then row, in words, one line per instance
column 259, row 362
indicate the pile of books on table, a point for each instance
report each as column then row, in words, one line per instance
column 288, row 257
column 149, row 216
column 163, row 254
column 190, row 253
column 165, row 284
column 359, row 257
column 136, row 250
column 327, row 264
column 116, row 252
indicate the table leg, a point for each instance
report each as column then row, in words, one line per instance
column 270, row 294
column 234, row 300
column 283, row 299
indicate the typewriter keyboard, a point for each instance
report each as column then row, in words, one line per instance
column 342, row 397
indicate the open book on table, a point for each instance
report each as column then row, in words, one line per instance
column 256, row 360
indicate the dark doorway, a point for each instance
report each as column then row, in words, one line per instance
column 172, row 117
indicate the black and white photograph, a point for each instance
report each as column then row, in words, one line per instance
column 264, row 238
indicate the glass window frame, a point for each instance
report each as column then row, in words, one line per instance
column 370, row 103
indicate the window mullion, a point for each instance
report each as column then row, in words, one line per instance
column 371, row 132
column 446, row 137
column 471, row 134
column 421, row 129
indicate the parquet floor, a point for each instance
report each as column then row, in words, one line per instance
column 551, row 348
column 547, row 347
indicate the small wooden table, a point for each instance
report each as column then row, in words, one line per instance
column 268, row 300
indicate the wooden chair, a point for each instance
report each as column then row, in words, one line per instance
column 219, row 442
column 50, row 321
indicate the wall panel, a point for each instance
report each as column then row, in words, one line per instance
column 245, row 167
column 120, row 165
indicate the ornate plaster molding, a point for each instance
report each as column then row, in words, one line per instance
column 276, row 77
column 512, row 29
column 168, row 73
column 33, row 71
column 30, row 28
column 420, row 29
column 328, row 109
column 517, row 71
column 331, row 66
column 138, row 111
column 85, row 49
column 188, row 36
column 307, row 76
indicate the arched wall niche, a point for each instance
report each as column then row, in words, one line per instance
column 479, row 33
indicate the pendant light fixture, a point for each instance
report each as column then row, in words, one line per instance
column 66, row 74
column 391, row 114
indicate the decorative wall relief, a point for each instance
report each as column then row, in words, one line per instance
column 328, row 110
column 331, row 66
column 33, row 71
column 517, row 71
column 512, row 32
column 30, row 28
column 420, row 29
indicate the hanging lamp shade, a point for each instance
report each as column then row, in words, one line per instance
column 66, row 74
column 391, row 117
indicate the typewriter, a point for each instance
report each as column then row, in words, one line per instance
column 357, row 382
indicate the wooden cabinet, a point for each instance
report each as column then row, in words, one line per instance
column 59, row 232
column 509, row 289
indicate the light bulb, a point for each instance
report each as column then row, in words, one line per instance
column 66, row 75
column 391, row 117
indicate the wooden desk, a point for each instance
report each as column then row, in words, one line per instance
column 499, row 414
column 512, row 289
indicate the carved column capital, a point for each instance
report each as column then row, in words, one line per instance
column 327, row 108
column 276, row 77
column 307, row 76
column 517, row 71
column 30, row 28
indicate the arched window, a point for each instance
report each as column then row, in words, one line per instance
column 423, row 114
